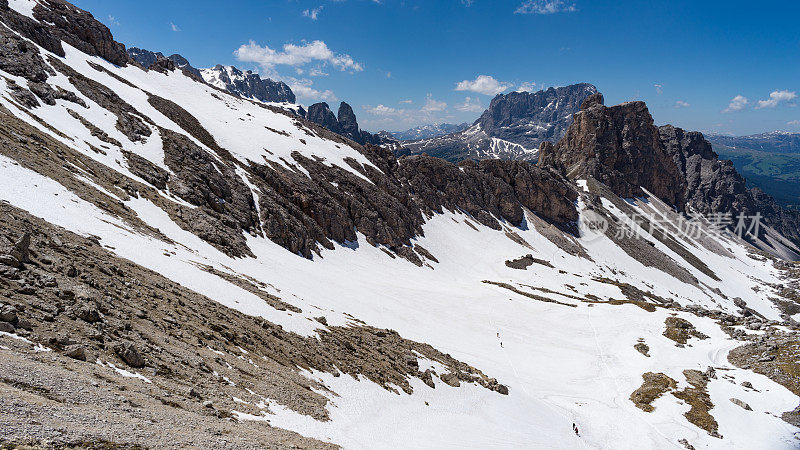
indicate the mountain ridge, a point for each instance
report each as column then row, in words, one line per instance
column 512, row 127
column 180, row 264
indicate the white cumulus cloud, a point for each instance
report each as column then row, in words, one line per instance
column 432, row 105
column 303, row 88
column 794, row 123
column 776, row 97
column 545, row 7
column 295, row 55
column 383, row 110
column 528, row 86
column 681, row 104
column 470, row 105
column 483, row 84
column 312, row 13
column 737, row 103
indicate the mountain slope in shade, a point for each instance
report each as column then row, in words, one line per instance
column 182, row 265
column 513, row 126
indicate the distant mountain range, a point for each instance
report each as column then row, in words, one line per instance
column 513, row 126
column 429, row 131
column 244, row 84
column 248, row 84
column 773, row 141
column 770, row 161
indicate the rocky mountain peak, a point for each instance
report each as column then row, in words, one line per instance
column 248, row 84
column 513, row 126
column 321, row 114
column 528, row 118
column 343, row 123
column 619, row 146
column 348, row 122
column 157, row 61
column 55, row 21
column 595, row 99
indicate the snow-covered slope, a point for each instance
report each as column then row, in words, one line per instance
column 552, row 309
column 472, row 143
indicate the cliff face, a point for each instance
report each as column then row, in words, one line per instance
column 54, row 21
column 528, row 118
column 344, row 123
column 247, row 84
column 513, row 126
column 714, row 186
column 620, row 147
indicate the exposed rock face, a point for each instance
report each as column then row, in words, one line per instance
column 513, row 126
column 247, row 84
column 620, row 147
column 528, row 118
column 227, row 205
column 152, row 60
column 321, row 114
column 348, row 123
column 183, row 64
column 79, row 29
column 490, row 189
column 344, row 123
column 714, row 186
column 19, row 57
column 145, row 58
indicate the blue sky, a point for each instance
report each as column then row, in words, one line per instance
column 714, row 66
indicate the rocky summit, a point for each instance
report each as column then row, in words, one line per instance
column 344, row 123
column 199, row 262
column 513, row 126
column 248, row 84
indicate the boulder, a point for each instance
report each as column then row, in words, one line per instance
column 130, row 354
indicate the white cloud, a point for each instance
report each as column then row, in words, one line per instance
column 432, row 105
column 467, row 3
column 174, row 27
column 659, row 88
column 483, row 84
column 470, row 105
column 794, row 123
column 113, row 20
column 388, row 74
column 295, row 55
column 383, row 110
column 545, row 7
column 737, row 103
column 681, row 104
column 407, row 101
column 303, row 89
column 312, row 13
column 317, row 72
column 528, row 86
column 775, row 98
